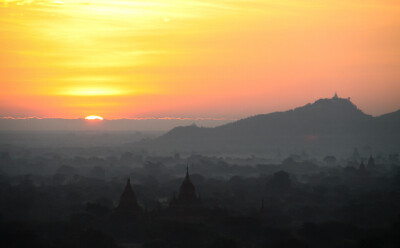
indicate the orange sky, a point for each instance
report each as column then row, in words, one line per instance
column 189, row 58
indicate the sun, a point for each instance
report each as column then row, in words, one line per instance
column 94, row 117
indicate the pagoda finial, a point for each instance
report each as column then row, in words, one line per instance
column 335, row 96
column 128, row 186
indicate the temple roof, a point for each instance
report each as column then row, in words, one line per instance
column 128, row 192
column 187, row 191
column 128, row 201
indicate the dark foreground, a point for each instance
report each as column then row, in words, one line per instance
column 300, row 202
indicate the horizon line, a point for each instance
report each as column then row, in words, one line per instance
column 113, row 119
column 335, row 97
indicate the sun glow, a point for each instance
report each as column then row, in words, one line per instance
column 93, row 92
column 94, row 117
column 136, row 58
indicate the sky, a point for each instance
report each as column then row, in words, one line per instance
column 195, row 59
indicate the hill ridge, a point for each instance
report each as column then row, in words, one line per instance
column 330, row 121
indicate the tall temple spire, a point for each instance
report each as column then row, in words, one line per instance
column 128, row 192
column 187, row 191
column 128, row 203
column 186, row 205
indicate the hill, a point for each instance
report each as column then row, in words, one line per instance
column 331, row 125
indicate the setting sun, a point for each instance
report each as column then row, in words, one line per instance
column 94, row 117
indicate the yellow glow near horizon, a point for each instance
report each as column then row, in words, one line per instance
column 129, row 58
column 94, row 117
column 93, row 92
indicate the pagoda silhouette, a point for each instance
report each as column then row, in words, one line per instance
column 128, row 206
column 187, row 206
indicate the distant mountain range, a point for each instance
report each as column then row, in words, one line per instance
column 327, row 126
column 139, row 125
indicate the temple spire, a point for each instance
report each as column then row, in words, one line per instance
column 128, row 205
column 187, row 192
